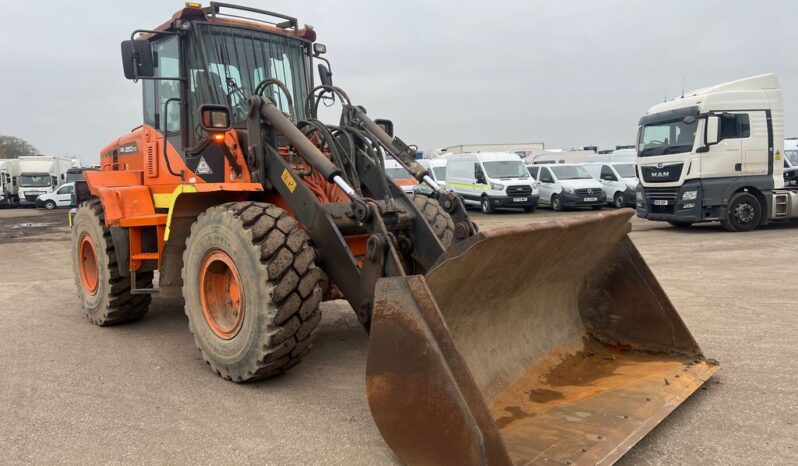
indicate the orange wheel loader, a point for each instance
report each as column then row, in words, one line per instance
column 549, row 343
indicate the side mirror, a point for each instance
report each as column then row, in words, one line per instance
column 325, row 76
column 319, row 49
column 385, row 125
column 712, row 131
column 137, row 60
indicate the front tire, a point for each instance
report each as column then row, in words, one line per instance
column 437, row 218
column 556, row 204
column 743, row 213
column 251, row 288
column 487, row 207
column 619, row 201
column 50, row 205
column 104, row 293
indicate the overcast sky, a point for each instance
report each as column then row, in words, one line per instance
column 565, row 73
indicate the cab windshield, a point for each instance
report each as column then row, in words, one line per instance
column 35, row 181
column 440, row 173
column 397, row 173
column 571, row 172
column 667, row 137
column 506, row 169
column 227, row 63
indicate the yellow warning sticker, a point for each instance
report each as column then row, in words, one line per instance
column 778, row 155
column 288, row 180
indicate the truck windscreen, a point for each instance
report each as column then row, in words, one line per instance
column 35, row 181
column 667, row 137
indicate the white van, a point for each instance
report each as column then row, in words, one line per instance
column 491, row 180
column 618, row 179
column 61, row 197
column 437, row 171
column 568, row 185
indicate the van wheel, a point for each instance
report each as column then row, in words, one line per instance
column 619, row 201
column 50, row 205
column 555, row 203
column 743, row 213
column 487, row 207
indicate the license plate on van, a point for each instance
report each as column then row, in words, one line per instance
column 520, row 199
column 660, row 202
column 591, row 199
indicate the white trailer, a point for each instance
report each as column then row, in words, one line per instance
column 9, row 171
column 716, row 154
column 39, row 175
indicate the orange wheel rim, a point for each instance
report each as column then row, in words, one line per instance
column 221, row 295
column 89, row 266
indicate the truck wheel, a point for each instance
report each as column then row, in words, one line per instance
column 440, row 220
column 743, row 213
column 619, row 201
column 251, row 288
column 50, row 205
column 555, row 203
column 487, row 207
column 103, row 291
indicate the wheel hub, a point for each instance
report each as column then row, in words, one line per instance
column 221, row 294
column 744, row 212
column 88, row 265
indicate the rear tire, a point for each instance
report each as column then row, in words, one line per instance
column 619, row 201
column 743, row 213
column 440, row 220
column 252, row 290
column 103, row 291
column 556, row 204
column 487, row 207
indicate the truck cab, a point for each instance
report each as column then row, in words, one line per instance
column 715, row 154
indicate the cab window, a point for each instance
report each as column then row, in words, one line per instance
column 533, row 171
column 66, row 189
column 607, row 174
column 545, row 176
column 158, row 92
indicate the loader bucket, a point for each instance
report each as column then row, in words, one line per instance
column 551, row 343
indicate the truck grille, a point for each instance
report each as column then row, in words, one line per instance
column 519, row 190
column 31, row 197
column 668, row 194
column 588, row 192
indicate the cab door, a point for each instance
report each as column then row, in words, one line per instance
column 546, row 185
column 725, row 158
column 63, row 197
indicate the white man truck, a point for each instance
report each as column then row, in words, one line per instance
column 39, row 175
column 716, row 154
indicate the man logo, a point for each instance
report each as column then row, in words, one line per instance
column 659, row 165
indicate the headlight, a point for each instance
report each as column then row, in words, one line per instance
column 689, row 195
column 568, row 190
column 497, row 187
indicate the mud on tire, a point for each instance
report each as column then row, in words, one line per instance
column 280, row 293
column 110, row 302
column 440, row 220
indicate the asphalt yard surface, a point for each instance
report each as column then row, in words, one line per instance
column 71, row 392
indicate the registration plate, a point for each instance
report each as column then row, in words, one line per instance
column 660, row 202
column 519, row 199
column 591, row 199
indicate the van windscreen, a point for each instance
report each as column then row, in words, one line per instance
column 506, row 169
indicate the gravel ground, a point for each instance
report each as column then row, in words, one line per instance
column 75, row 393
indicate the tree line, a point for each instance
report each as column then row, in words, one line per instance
column 12, row 147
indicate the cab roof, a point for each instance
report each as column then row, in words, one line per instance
column 289, row 26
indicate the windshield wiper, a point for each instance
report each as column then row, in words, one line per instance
column 668, row 149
